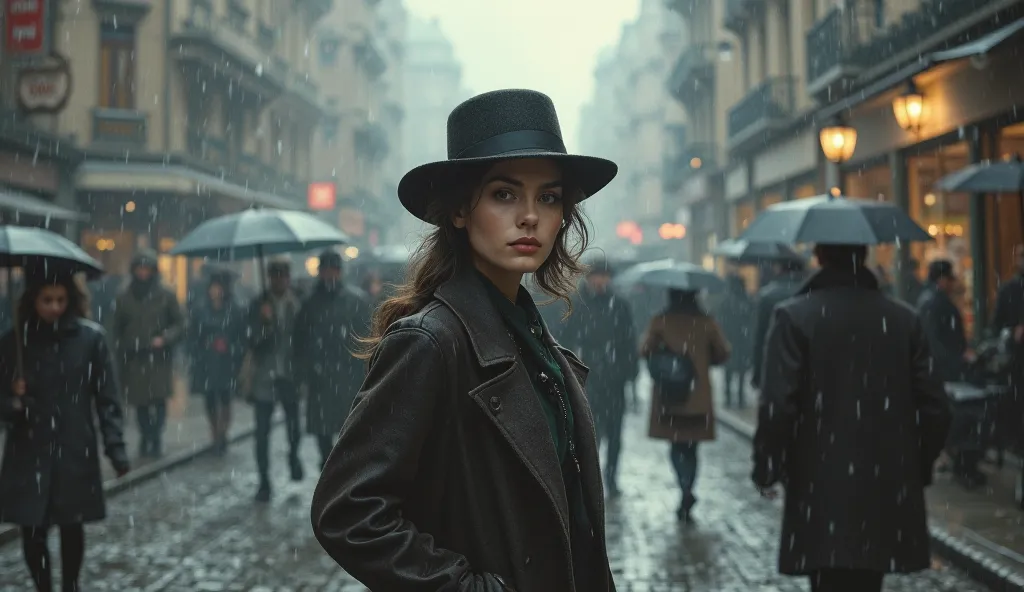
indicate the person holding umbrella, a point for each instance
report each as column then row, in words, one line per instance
column 51, row 464
column 270, row 377
column 146, row 325
column 469, row 461
column 788, row 278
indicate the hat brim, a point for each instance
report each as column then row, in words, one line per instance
column 427, row 183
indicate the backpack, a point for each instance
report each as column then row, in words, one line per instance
column 675, row 374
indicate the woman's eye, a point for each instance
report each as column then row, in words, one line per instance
column 503, row 194
column 550, row 198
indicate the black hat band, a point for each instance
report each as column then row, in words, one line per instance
column 513, row 141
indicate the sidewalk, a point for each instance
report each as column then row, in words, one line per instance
column 980, row 531
column 186, row 436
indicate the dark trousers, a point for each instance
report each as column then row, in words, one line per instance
column 37, row 556
column 152, row 419
column 608, row 425
column 684, row 461
column 740, row 378
column 287, row 396
column 846, row 580
column 326, row 443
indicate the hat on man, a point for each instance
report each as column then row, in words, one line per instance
column 279, row 267
column 495, row 126
column 330, row 260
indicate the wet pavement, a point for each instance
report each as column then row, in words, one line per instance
column 197, row 529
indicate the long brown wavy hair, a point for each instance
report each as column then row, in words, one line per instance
column 446, row 249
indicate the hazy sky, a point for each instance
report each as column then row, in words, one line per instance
column 546, row 45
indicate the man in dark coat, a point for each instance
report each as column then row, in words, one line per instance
column 326, row 336
column 601, row 332
column 1009, row 316
column 787, row 280
column 735, row 314
column 851, row 421
column 942, row 322
column 146, row 325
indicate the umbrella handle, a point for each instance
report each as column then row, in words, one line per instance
column 262, row 269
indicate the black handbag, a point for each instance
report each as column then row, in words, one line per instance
column 674, row 374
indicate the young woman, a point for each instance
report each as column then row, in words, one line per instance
column 216, row 344
column 469, row 460
column 685, row 329
column 51, row 468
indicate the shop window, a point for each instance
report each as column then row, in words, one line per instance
column 117, row 66
column 946, row 216
column 806, row 190
column 770, row 199
column 743, row 215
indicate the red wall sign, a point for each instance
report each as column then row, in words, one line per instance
column 25, row 27
column 321, row 196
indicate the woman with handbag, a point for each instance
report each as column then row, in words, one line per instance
column 680, row 346
column 469, row 461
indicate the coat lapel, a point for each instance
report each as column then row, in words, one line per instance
column 508, row 400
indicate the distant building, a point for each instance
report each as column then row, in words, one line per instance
column 433, row 87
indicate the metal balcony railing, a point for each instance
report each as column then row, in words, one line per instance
column 770, row 102
column 124, row 128
column 692, row 72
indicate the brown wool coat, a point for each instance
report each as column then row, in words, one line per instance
column 703, row 340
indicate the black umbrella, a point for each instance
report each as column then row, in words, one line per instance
column 832, row 220
column 744, row 251
column 258, row 234
column 41, row 252
column 671, row 274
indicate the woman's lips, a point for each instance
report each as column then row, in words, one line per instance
column 526, row 248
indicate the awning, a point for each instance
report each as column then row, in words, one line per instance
column 967, row 50
column 34, row 206
column 112, row 176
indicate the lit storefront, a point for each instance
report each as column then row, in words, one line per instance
column 902, row 161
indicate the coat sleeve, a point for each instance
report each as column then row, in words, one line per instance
column 10, row 409
column 777, row 410
column 720, row 348
column 302, row 335
column 652, row 337
column 175, row 330
column 357, row 505
column 764, row 317
column 933, row 408
column 105, row 392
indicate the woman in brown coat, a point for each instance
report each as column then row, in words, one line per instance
column 686, row 330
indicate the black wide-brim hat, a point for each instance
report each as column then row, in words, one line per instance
column 495, row 126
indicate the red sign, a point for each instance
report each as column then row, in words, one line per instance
column 321, row 196
column 25, row 27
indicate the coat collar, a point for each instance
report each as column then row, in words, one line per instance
column 835, row 278
column 467, row 297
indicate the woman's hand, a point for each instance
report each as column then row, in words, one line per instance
column 18, row 387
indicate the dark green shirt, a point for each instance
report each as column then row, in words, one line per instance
column 523, row 322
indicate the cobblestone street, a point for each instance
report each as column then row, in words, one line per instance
column 197, row 529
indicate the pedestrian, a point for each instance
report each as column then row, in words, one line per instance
column 325, row 346
column 685, row 330
column 943, row 324
column 736, row 312
column 146, row 325
column 216, row 347
column 850, row 422
column 269, row 377
column 469, row 461
column 789, row 276
column 51, row 468
column 600, row 330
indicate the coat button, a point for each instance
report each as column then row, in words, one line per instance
column 495, row 404
column 543, row 377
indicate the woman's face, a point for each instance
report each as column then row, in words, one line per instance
column 216, row 293
column 514, row 218
column 51, row 303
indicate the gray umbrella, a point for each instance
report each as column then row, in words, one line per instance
column 258, row 233
column 744, row 251
column 1005, row 176
column 832, row 220
column 672, row 274
column 41, row 251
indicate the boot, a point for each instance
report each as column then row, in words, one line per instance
column 263, row 493
column 296, row 467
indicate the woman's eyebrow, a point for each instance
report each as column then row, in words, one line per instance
column 517, row 183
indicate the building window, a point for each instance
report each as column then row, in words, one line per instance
column 238, row 15
column 117, row 66
column 201, row 14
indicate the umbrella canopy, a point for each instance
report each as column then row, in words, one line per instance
column 747, row 252
column 831, row 220
column 258, row 233
column 672, row 274
column 988, row 177
column 42, row 251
